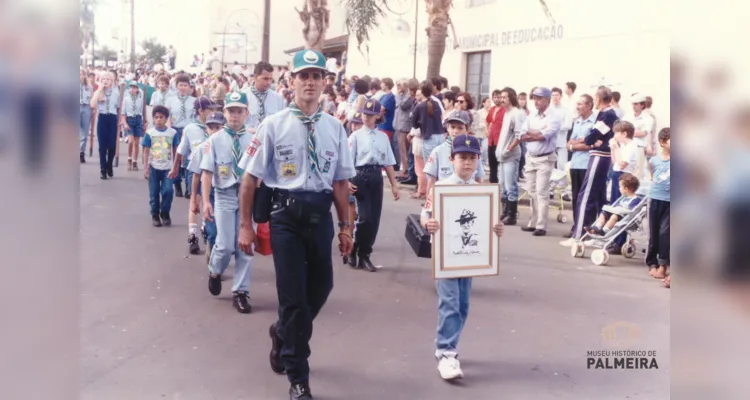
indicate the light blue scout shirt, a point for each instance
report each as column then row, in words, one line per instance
column 110, row 103
column 661, row 180
column 132, row 107
column 273, row 104
column 439, row 163
column 371, row 147
column 218, row 157
column 181, row 110
column 551, row 121
column 280, row 155
column 86, row 92
column 193, row 135
column 452, row 179
column 160, row 99
column 194, row 166
column 160, row 143
column 581, row 128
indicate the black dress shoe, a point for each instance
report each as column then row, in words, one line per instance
column 277, row 364
column 155, row 220
column 539, row 232
column 103, row 175
column 83, row 158
column 239, row 300
column 110, row 172
column 409, row 182
column 214, row 284
column 178, row 189
column 300, row 391
column 528, row 228
column 366, row 264
column 568, row 235
column 165, row 219
column 352, row 257
column 193, row 244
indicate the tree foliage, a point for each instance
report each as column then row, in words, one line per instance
column 154, row 50
column 106, row 54
column 361, row 17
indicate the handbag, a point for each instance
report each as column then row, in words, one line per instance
column 417, row 237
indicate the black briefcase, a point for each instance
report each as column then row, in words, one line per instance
column 418, row 237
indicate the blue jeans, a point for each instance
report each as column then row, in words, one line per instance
column 429, row 145
column 614, row 190
column 227, row 217
column 453, row 310
column 210, row 225
column 412, row 173
column 136, row 126
column 84, row 126
column 181, row 170
column 509, row 171
column 160, row 190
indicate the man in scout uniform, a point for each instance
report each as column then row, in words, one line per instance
column 262, row 100
column 302, row 154
column 220, row 169
column 371, row 151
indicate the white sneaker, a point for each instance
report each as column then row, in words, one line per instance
column 449, row 366
column 568, row 242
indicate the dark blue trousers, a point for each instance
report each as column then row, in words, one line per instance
column 181, row 173
column 304, row 278
column 658, row 238
column 160, row 191
column 106, row 134
column 412, row 173
column 593, row 194
column 369, row 197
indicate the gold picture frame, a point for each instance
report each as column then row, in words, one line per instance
column 465, row 246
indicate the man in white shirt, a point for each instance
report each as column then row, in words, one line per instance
column 644, row 125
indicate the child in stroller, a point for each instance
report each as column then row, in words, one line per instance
column 623, row 216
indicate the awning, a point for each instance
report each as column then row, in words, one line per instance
column 332, row 45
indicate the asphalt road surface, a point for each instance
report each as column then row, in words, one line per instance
column 150, row 329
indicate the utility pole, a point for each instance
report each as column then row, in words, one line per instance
column 132, row 36
column 266, row 31
column 416, row 23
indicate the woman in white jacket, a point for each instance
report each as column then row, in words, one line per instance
column 508, row 153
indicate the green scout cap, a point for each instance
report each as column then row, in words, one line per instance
column 235, row 99
column 306, row 59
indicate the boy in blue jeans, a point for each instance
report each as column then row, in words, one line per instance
column 454, row 293
column 158, row 146
column 657, row 256
column 214, row 123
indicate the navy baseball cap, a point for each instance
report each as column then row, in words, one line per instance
column 465, row 144
column 216, row 117
column 458, row 116
column 203, row 103
column 541, row 92
column 357, row 118
column 371, row 107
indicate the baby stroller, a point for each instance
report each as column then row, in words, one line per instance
column 558, row 184
column 632, row 221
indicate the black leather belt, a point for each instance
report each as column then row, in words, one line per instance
column 542, row 155
column 369, row 168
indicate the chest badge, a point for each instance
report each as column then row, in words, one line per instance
column 288, row 169
column 326, row 167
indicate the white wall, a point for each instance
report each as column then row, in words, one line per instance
column 625, row 44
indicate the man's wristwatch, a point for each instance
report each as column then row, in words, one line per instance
column 343, row 224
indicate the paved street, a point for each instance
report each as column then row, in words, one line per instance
column 151, row 330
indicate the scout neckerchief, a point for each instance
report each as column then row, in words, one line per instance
column 134, row 99
column 202, row 126
column 183, row 107
column 310, row 124
column 236, row 150
column 261, row 96
column 449, row 139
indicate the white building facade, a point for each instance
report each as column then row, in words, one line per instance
column 498, row 43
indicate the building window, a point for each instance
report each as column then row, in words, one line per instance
column 478, row 76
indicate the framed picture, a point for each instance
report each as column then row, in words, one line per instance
column 465, row 245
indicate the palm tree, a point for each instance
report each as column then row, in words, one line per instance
column 87, row 26
column 106, row 54
column 315, row 16
column 363, row 15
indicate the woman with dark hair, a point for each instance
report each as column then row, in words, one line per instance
column 508, row 153
column 428, row 118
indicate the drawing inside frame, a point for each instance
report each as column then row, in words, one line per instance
column 465, row 246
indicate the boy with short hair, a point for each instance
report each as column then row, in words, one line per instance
column 214, row 123
column 182, row 112
column 158, row 146
column 132, row 120
column 162, row 94
column 624, row 155
column 220, row 165
column 439, row 165
column 657, row 257
column 628, row 185
column 193, row 135
column 454, row 293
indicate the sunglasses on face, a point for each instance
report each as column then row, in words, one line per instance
column 462, row 101
column 316, row 76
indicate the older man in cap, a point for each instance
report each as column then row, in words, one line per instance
column 540, row 139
